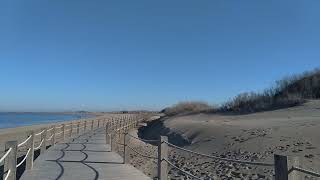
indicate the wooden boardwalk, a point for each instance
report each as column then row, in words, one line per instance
column 86, row 157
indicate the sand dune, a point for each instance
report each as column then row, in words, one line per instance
column 294, row 132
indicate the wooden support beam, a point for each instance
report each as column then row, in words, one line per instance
column 162, row 154
column 281, row 167
column 125, row 153
column 63, row 131
column 53, row 140
column 78, row 128
column 30, row 157
column 44, row 143
column 10, row 162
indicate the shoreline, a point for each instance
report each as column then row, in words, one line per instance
column 45, row 120
column 20, row 133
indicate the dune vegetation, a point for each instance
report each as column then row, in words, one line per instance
column 187, row 107
column 288, row 92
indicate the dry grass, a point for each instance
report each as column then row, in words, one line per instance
column 187, row 107
column 288, row 92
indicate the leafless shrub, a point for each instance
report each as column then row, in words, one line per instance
column 187, row 107
column 287, row 92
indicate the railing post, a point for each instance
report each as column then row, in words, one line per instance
column 117, row 123
column 107, row 131
column 122, row 125
column 98, row 123
column 11, row 160
column 112, row 122
column 92, row 124
column 85, row 126
column 71, row 125
column 63, row 131
column 128, row 126
column 110, row 140
column 44, row 143
column 280, row 167
column 125, row 157
column 78, row 128
column 53, row 140
column 162, row 154
column 29, row 160
column 132, row 122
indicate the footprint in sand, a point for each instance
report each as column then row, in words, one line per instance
column 297, row 150
column 298, row 144
column 309, row 156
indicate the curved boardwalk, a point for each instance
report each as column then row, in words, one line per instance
column 86, row 157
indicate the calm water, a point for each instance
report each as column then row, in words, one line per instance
column 9, row 120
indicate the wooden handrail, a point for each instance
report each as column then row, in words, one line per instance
column 10, row 156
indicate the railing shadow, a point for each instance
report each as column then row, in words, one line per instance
column 21, row 169
column 60, row 165
column 59, row 160
column 95, row 171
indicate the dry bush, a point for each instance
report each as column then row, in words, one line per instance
column 307, row 85
column 287, row 92
column 253, row 102
column 187, row 107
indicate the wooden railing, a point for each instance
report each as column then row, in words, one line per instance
column 280, row 163
column 48, row 136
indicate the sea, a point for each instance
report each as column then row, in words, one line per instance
column 12, row 119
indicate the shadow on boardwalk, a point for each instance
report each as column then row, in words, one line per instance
column 86, row 157
column 59, row 161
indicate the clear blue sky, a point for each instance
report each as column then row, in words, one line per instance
column 61, row 55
